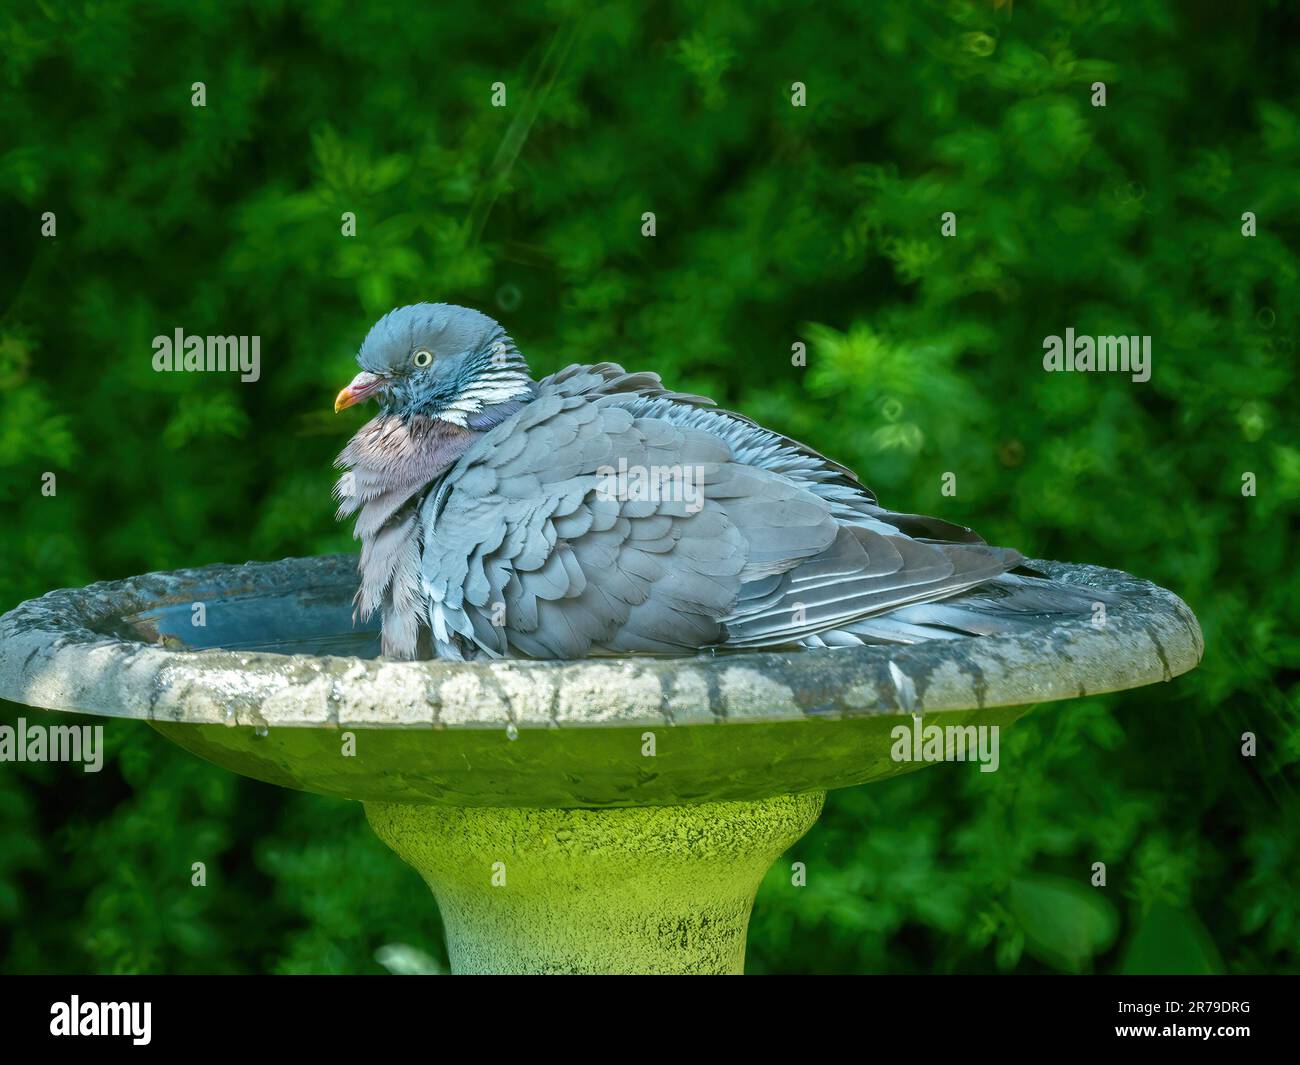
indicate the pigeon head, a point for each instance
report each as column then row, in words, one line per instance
column 437, row 360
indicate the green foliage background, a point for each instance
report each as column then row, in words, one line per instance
column 776, row 224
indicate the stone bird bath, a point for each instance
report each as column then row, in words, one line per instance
column 609, row 815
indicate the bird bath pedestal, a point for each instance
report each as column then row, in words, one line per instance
column 609, row 815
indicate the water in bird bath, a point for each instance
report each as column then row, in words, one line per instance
column 313, row 621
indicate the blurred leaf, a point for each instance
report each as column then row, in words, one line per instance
column 1066, row 924
column 1170, row 941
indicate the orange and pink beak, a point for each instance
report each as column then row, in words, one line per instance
column 362, row 387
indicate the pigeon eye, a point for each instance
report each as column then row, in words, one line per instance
column 422, row 358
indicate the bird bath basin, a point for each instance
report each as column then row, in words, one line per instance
column 606, row 815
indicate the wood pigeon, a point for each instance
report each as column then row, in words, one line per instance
column 596, row 512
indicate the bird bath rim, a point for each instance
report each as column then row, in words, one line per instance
column 71, row 650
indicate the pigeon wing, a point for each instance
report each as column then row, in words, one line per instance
column 530, row 546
